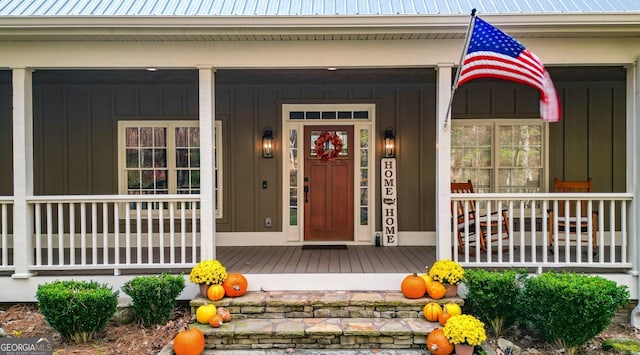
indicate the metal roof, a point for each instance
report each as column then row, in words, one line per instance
column 178, row 8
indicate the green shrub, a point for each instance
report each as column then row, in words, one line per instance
column 154, row 297
column 77, row 309
column 569, row 309
column 493, row 297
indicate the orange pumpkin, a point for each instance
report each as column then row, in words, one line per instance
column 436, row 290
column 438, row 344
column 235, row 285
column 225, row 314
column 413, row 286
column 189, row 342
column 216, row 321
column 431, row 311
column 443, row 318
column 215, row 292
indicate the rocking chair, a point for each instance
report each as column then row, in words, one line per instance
column 571, row 222
column 488, row 223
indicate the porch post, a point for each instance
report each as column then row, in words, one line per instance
column 633, row 160
column 633, row 173
column 22, row 172
column 443, row 163
column 207, row 143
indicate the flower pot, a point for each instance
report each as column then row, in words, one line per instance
column 464, row 349
column 452, row 290
column 203, row 290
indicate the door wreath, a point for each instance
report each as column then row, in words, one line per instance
column 321, row 142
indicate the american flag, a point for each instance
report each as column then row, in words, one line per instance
column 494, row 54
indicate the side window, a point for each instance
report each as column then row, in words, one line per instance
column 498, row 155
column 163, row 157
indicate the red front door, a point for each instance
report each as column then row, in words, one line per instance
column 328, row 184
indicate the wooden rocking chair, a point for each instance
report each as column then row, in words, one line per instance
column 488, row 223
column 571, row 222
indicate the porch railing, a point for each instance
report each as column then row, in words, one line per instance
column 115, row 232
column 6, row 204
column 525, row 241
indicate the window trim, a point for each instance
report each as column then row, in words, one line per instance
column 170, row 125
column 495, row 123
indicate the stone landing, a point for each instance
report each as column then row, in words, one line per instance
column 321, row 320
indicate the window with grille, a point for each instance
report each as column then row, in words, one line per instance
column 498, row 155
column 163, row 157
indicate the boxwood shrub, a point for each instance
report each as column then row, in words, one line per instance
column 569, row 309
column 494, row 296
column 153, row 298
column 77, row 309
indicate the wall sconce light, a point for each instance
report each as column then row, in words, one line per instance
column 389, row 144
column 267, row 143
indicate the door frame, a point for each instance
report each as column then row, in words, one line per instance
column 293, row 219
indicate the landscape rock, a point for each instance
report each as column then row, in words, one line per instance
column 124, row 313
column 622, row 346
column 508, row 347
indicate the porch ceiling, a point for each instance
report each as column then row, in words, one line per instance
column 285, row 76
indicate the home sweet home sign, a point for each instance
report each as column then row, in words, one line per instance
column 389, row 202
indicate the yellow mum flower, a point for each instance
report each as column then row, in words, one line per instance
column 465, row 329
column 447, row 272
column 209, row 272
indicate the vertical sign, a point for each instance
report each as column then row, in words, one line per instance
column 389, row 202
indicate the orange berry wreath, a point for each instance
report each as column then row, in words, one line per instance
column 321, row 141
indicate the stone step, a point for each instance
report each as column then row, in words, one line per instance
column 323, row 304
column 319, row 333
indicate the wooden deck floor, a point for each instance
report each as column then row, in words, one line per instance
column 296, row 260
column 353, row 259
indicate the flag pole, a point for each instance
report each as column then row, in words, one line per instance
column 467, row 39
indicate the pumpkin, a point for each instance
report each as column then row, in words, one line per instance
column 438, row 344
column 443, row 318
column 453, row 309
column 189, row 342
column 436, row 290
column 235, row 285
column 413, row 286
column 431, row 311
column 225, row 314
column 204, row 312
column 215, row 292
column 216, row 321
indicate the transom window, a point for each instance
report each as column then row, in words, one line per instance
column 163, row 157
column 498, row 155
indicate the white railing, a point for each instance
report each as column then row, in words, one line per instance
column 6, row 204
column 115, row 232
column 523, row 240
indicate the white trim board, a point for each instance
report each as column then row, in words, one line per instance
column 228, row 239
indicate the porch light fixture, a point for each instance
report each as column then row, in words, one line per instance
column 267, row 143
column 389, row 144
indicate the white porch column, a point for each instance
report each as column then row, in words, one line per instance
column 22, row 172
column 207, row 143
column 443, row 163
column 633, row 160
column 633, row 173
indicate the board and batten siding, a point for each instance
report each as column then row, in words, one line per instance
column 590, row 141
column 404, row 107
column 75, row 128
column 6, row 134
